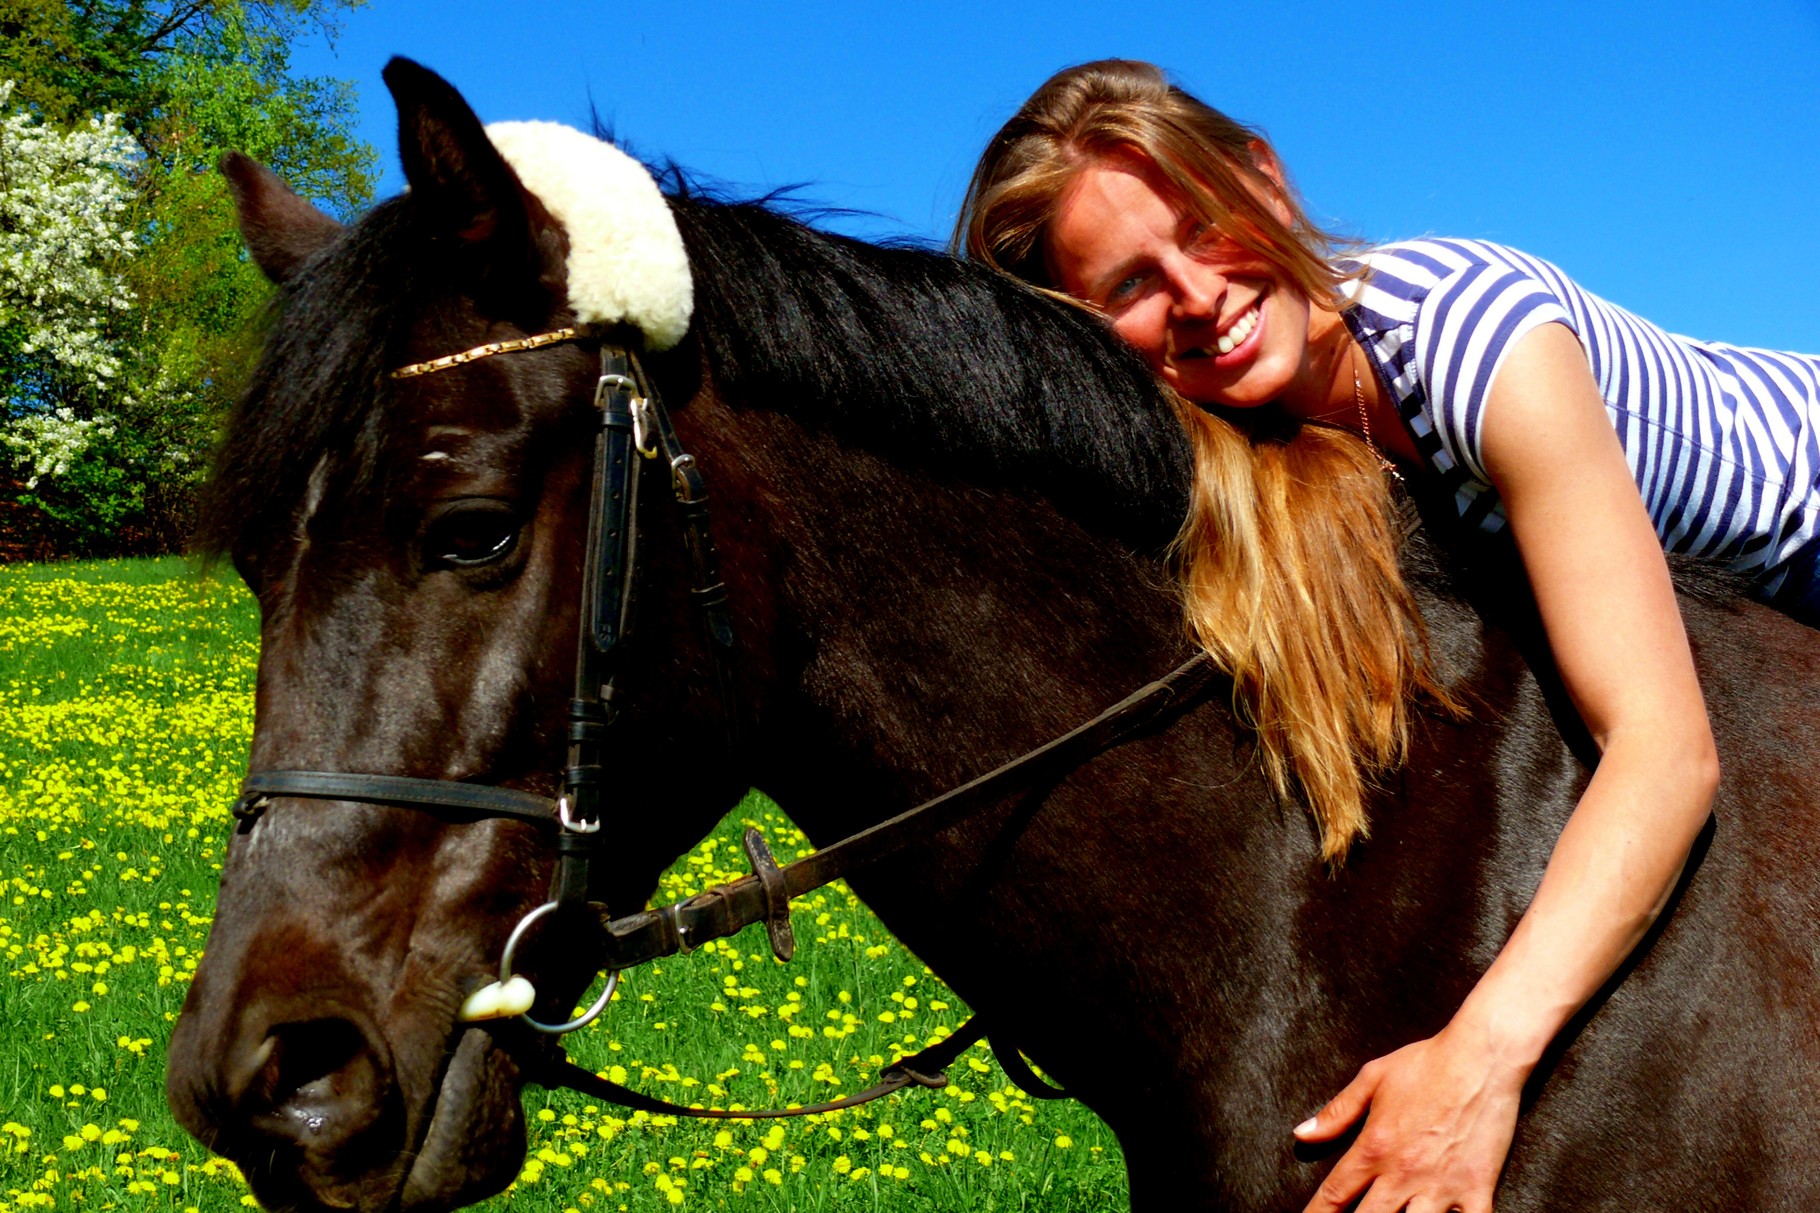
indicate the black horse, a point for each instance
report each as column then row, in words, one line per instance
column 939, row 504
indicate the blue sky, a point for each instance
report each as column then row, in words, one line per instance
column 1666, row 154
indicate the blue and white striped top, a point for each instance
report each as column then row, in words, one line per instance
column 1724, row 441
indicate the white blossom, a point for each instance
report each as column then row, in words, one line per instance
column 50, row 441
column 64, row 238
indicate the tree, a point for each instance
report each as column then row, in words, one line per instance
column 190, row 80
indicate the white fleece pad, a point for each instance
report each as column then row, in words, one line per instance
column 626, row 258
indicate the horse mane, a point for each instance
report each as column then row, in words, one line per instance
column 333, row 333
column 935, row 363
column 932, row 361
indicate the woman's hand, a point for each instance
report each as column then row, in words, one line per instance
column 1439, row 1115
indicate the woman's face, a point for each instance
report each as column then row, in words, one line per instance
column 1219, row 323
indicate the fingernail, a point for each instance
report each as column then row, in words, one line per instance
column 1307, row 1126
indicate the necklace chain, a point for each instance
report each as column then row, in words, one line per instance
column 1358, row 399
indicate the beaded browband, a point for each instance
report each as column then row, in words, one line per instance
column 486, row 351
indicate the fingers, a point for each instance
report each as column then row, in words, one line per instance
column 1368, row 1177
column 1353, row 1180
column 1342, row 1186
column 1342, row 1110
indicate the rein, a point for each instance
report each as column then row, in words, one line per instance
column 635, row 427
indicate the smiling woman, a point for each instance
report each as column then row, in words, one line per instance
column 1176, row 223
column 1497, row 383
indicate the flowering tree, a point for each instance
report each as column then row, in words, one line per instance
column 109, row 406
column 64, row 199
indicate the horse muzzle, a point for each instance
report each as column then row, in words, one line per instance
column 320, row 1112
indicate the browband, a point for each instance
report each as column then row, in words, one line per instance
column 486, row 351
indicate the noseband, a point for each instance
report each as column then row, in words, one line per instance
column 635, row 428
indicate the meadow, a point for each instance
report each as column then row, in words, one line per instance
column 126, row 694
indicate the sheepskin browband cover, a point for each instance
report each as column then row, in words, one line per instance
column 626, row 258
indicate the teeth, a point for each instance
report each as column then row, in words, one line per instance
column 1235, row 336
column 499, row 1000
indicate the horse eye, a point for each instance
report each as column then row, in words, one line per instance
column 471, row 536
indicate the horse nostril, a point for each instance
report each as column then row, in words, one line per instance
column 315, row 1081
column 315, row 1123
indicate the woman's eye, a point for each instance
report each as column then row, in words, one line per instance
column 1125, row 288
column 467, row 538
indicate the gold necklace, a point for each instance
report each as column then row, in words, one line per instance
column 1358, row 399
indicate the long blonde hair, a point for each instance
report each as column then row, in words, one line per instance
column 1288, row 557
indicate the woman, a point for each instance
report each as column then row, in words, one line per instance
column 1473, row 365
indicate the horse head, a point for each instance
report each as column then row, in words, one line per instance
column 416, row 547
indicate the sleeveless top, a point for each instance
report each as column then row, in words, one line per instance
column 1723, row 441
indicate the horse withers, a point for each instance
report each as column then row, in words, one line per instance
column 938, row 503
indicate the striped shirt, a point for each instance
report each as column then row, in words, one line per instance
column 1724, row 442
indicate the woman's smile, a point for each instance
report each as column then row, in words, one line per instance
column 1218, row 322
column 1230, row 345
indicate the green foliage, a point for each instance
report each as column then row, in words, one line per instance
column 192, row 80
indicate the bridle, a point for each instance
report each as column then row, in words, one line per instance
column 635, row 428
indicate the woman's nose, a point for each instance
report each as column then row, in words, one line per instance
column 1197, row 288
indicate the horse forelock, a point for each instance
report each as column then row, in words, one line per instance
column 314, row 401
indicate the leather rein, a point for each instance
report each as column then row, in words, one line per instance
column 635, row 428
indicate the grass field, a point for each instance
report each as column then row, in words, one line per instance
column 125, row 710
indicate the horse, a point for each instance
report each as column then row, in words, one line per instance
column 941, row 506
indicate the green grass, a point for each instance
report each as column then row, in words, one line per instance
column 125, row 711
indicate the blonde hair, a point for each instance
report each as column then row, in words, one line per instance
column 1288, row 557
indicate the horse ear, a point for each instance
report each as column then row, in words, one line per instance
column 281, row 229
column 456, row 174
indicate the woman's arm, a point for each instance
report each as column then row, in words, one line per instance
column 1441, row 1112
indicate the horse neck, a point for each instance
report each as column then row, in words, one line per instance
column 917, row 630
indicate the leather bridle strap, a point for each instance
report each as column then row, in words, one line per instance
column 922, row 1069
column 482, row 800
column 765, row 895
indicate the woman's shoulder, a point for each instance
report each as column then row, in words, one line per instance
column 1434, row 283
column 1412, row 268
